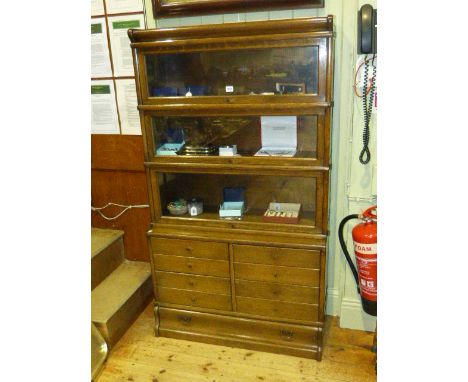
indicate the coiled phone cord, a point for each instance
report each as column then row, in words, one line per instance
column 367, row 104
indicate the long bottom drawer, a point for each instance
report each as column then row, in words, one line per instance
column 275, row 337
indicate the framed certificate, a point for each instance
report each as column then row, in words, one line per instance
column 163, row 8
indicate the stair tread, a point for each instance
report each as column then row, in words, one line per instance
column 101, row 238
column 109, row 296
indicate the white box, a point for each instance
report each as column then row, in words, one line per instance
column 279, row 136
column 228, row 151
column 231, row 210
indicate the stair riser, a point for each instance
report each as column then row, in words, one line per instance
column 104, row 263
column 116, row 326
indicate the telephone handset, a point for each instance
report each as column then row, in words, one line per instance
column 367, row 30
column 367, row 44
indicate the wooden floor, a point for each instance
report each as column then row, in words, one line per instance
column 142, row 357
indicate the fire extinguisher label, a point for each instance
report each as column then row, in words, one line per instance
column 365, row 248
column 366, row 261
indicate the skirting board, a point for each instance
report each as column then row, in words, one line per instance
column 333, row 302
column 352, row 316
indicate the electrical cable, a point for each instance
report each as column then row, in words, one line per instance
column 125, row 208
column 355, row 86
column 367, row 104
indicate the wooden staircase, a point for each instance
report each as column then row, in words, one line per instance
column 120, row 289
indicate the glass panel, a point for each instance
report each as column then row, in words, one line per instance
column 244, row 132
column 259, row 192
column 251, row 71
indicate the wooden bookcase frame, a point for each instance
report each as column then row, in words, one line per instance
column 189, row 252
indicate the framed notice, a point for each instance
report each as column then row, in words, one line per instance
column 194, row 7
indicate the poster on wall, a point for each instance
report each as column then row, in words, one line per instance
column 127, row 104
column 100, row 59
column 120, row 43
column 124, row 6
column 104, row 118
column 97, row 7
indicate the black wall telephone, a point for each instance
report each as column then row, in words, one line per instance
column 367, row 30
column 367, row 44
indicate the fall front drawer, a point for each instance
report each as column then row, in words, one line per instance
column 191, row 265
column 192, row 298
column 277, row 309
column 277, row 256
column 219, row 285
column 191, row 248
column 276, row 291
column 286, row 275
column 235, row 327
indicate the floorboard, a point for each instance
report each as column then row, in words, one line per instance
column 141, row 357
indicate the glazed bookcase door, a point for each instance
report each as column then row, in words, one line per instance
column 250, row 71
column 280, row 70
column 172, row 183
column 244, row 131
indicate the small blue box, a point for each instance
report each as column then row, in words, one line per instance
column 169, row 148
column 233, row 203
column 164, row 91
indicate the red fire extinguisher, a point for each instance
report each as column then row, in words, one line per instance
column 365, row 249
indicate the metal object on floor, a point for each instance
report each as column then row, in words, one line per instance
column 99, row 351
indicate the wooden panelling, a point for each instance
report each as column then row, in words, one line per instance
column 118, row 176
column 117, row 152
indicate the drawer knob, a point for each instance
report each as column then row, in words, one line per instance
column 286, row 333
column 185, row 319
column 276, row 292
column 275, row 275
column 189, row 249
column 191, row 283
column 190, row 266
column 193, row 299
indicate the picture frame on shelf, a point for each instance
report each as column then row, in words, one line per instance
column 167, row 8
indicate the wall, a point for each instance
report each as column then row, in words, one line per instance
column 117, row 170
column 351, row 182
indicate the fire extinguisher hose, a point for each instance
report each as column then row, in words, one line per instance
column 345, row 250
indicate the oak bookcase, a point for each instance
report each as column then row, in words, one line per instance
column 243, row 283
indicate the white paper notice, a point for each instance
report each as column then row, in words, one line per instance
column 100, row 60
column 104, row 119
column 97, row 7
column 127, row 103
column 120, row 43
column 123, row 6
